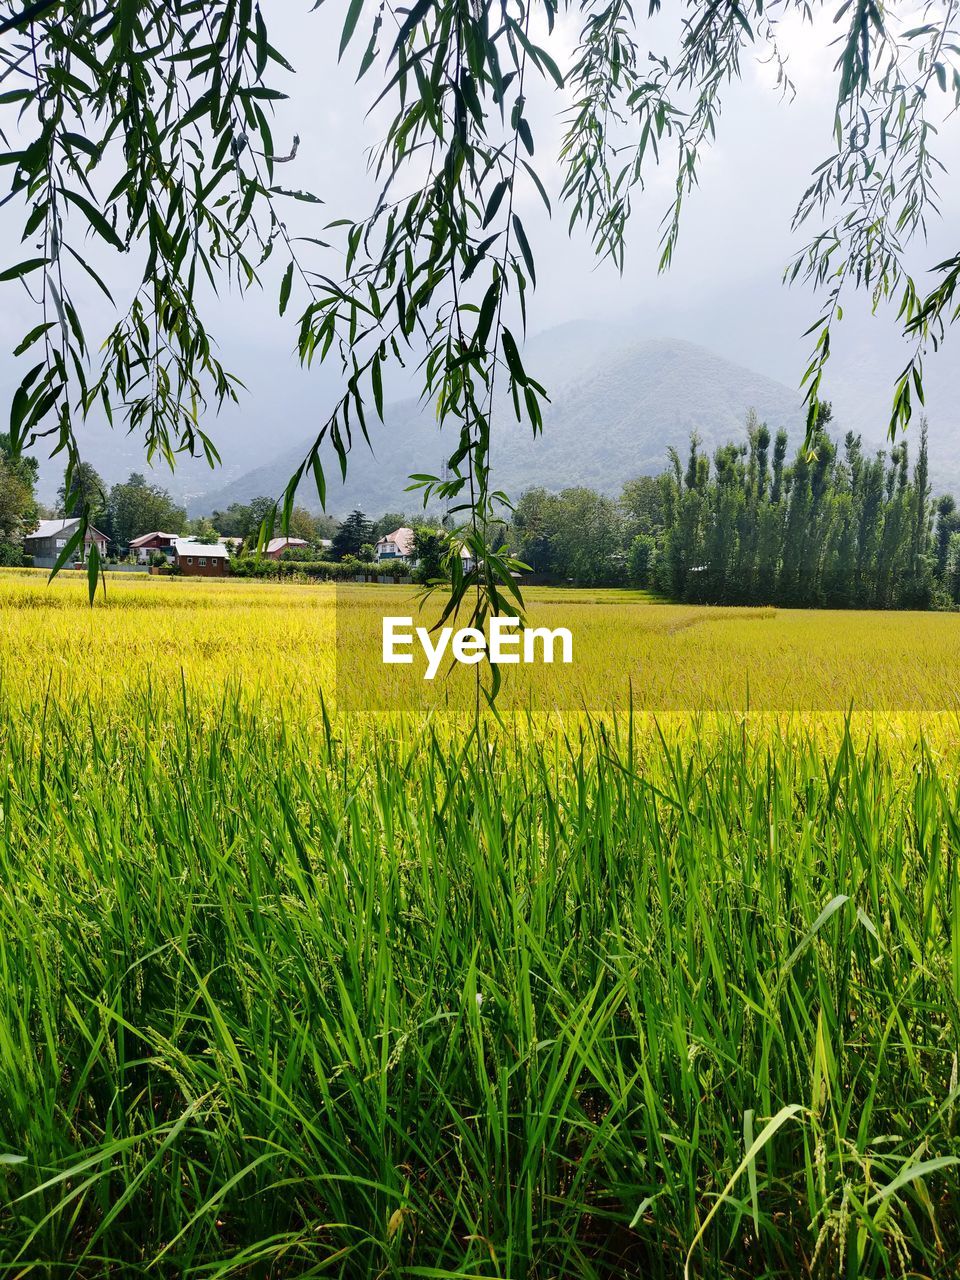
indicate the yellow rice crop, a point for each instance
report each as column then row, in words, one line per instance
column 292, row 644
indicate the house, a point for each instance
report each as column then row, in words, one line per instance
column 395, row 546
column 201, row 559
column 277, row 546
column 48, row 540
column 143, row 547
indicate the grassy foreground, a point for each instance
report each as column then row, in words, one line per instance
column 286, row 993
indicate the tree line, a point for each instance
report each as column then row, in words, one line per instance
column 833, row 526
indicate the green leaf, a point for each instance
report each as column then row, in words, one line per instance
column 830, row 910
column 285, row 286
column 93, row 572
column 349, row 25
column 911, row 1173
column 319, row 480
column 370, row 52
column 514, row 363
column 786, row 1113
column 496, row 199
column 263, row 46
column 525, row 247
column 306, row 197
column 31, row 337
column 488, row 309
column 20, row 407
column 23, row 268
column 94, row 217
column 81, row 143
column 376, row 380
column 751, row 1171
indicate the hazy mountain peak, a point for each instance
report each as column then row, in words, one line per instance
column 617, row 404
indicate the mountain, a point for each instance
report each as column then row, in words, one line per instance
column 615, row 409
column 621, row 394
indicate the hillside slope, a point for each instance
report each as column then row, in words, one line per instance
column 615, row 411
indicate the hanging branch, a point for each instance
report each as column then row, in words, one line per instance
column 146, row 130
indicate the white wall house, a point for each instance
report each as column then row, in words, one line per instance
column 395, row 546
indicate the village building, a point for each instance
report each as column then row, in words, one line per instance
column 201, row 559
column 142, row 548
column 48, row 540
column 395, row 546
column 277, row 546
column 468, row 560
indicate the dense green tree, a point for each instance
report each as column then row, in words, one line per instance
column 832, row 528
column 137, row 507
column 351, row 536
column 430, row 547
column 204, row 530
column 920, row 563
column 257, row 510
column 533, row 531
column 947, row 523
column 389, row 521
column 18, row 505
column 641, row 559
column 245, row 520
column 642, row 502
column 576, row 535
column 82, row 489
column 304, row 524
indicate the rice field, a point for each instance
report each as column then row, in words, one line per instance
column 302, row 975
column 316, row 646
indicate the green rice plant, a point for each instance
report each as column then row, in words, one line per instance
column 290, row 993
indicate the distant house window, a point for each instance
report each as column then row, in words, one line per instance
column 202, row 560
column 61, row 542
column 189, row 559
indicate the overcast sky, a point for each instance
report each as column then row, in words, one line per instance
column 736, row 237
column 724, row 288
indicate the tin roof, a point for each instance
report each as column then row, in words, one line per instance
column 64, row 525
column 211, row 550
column 278, row 544
column 157, row 533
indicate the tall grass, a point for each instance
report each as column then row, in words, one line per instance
column 282, row 994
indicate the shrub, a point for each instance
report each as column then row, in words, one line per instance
column 319, row 570
column 395, row 569
column 643, row 552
